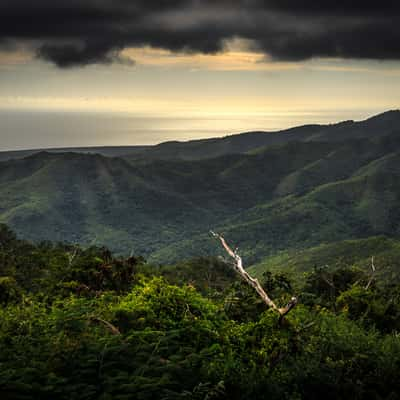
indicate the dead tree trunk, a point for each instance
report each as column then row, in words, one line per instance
column 238, row 266
column 372, row 275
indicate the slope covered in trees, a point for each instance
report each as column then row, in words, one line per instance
column 294, row 195
column 356, row 253
column 83, row 324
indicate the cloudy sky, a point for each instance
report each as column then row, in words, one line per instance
column 115, row 72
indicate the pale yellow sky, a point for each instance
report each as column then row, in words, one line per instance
column 183, row 96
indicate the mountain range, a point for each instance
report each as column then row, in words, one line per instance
column 268, row 193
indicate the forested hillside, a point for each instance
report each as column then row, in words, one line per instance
column 84, row 324
column 343, row 184
column 316, row 219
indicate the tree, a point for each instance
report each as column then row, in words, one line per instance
column 238, row 266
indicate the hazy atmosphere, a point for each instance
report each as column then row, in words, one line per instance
column 127, row 73
column 199, row 200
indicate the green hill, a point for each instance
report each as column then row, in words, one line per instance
column 377, row 126
column 278, row 197
column 347, row 253
column 360, row 201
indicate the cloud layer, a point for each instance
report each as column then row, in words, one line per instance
column 80, row 32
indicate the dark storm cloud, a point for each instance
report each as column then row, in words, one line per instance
column 80, row 32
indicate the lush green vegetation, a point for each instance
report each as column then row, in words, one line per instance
column 308, row 208
column 356, row 252
column 266, row 192
column 83, row 324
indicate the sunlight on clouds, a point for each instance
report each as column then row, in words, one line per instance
column 239, row 55
column 10, row 58
column 256, row 88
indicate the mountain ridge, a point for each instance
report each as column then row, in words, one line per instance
column 290, row 195
column 235, row 143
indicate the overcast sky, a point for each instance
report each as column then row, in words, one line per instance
column 104, row 72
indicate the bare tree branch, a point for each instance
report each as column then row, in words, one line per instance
column 71, row 256
column 371, row 277
column 238, row 266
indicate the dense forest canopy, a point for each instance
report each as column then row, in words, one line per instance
column 314, row 211
column 81, row 323
column 267, row 192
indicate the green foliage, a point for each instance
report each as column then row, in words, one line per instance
column 354, row 254
column 83, row 324
column 379, row 308
column 208, row 275
column 284, row 197
column 326, row 284
column 9, row 290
